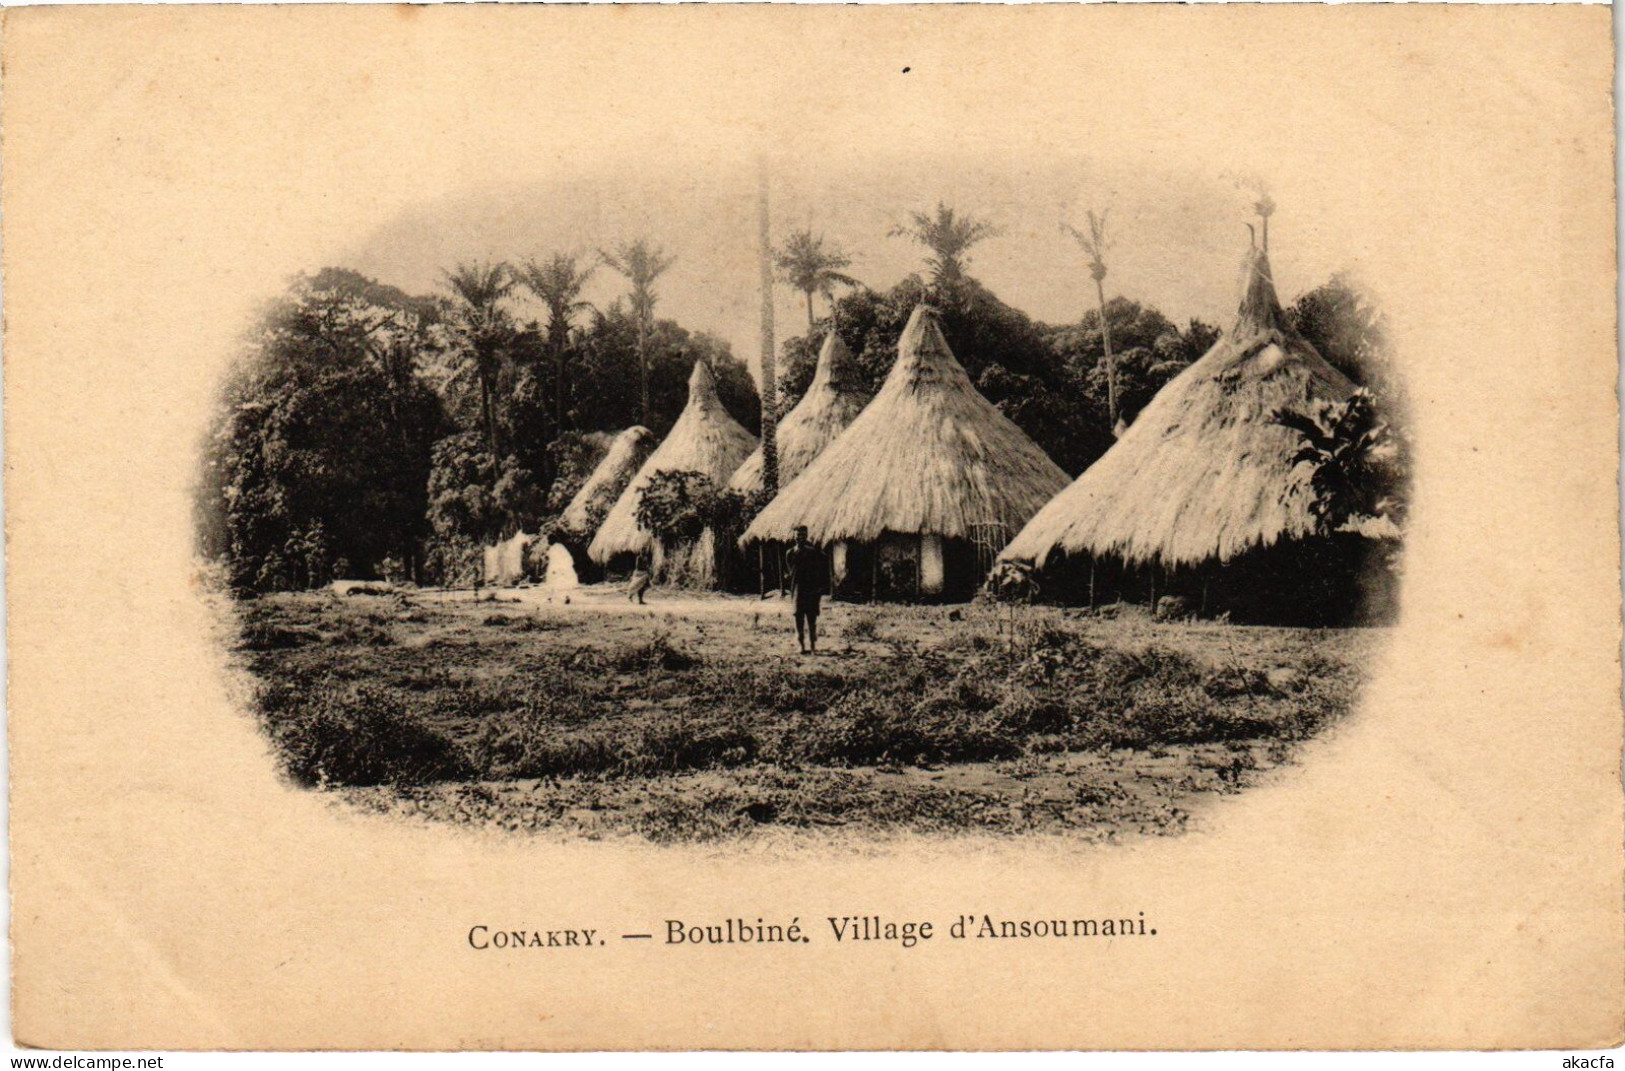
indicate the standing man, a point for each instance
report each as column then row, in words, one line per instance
column 641, row 579
column 809, row 582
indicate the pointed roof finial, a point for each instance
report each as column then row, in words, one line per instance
column 834, row 368
column 702, row 385
column 1260, row 308
column 1265, row 207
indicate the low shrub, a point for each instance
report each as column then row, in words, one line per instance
column 1023, row 711
column 359, row 735
column 270, row 636
column 530, row 743
column 680, row 744
column 658, row 654
column 863, row 729
column 360, row 634
column 1231, row 682
column 860, row 627
column 782, row 691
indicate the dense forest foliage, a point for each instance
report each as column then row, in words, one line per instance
column 369, row 432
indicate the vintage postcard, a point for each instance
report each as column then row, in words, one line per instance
column 812, row 527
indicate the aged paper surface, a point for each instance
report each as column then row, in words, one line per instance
column 1443, row 869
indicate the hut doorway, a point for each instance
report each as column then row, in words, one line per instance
column 907, row 568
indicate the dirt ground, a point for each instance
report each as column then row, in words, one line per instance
column 694, row 717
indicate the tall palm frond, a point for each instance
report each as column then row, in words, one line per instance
column 1095, row 245
column 949, row 235
column 807, row 264
column 557, row 282
column 482, row 327
column 642, row 262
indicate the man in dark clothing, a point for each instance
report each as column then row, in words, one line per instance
column 809, row 581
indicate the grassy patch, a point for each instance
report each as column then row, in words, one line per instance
column 359, row 735
column 395, row 694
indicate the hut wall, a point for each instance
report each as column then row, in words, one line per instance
column 587, row 570
column 1340, row 580
column 906, row 568
column 931, row 578
column 504, row 563
column 711, row 562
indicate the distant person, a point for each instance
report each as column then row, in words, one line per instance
column 809, row 582
column 641, row 579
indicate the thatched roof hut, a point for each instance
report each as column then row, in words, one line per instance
column 928, row 458
column 705, row 439
column 833, row 401
column 591, row 504
column 1203, row 474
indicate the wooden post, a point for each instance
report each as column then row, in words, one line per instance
column 1091, row 581
column 770, row 440
column 920, row 568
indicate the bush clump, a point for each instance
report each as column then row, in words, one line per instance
column 680, row 744
column 361, row 634
column 359, row 735
column 270, row 636
column 529, row 743
column 659, row 654
column 861, row 627
column 866, row 728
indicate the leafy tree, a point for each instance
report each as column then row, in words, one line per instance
column 466, row 510
column 1342, row 323
column 483, row 329
column 949, row 236
column 318, row 461
column 608, row 379
column 642, row 263
column 1355, row 469
column 527, row 420
column 679, row 506
column 1197, row 338
column 558, row 282
column 812, row 267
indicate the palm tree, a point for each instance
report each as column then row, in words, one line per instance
column 558, row 283
column 807, row 264
column 483, row 328
column 642, row 263
column 1095, row 244
column 770, row 388
column 949, row 236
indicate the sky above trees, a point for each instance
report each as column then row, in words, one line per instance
column 1179, row 236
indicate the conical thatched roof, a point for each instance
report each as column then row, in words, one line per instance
column 704, row 439
column 1203, row 472
column 929, row 454
column 833, row 400
column 591, row 504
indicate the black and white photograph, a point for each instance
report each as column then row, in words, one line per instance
column 812, row 527
column 928, row 501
